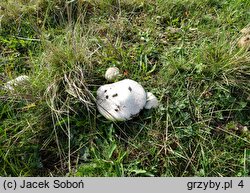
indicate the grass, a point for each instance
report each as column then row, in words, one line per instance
column 185, row 52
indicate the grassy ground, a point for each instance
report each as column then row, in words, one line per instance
column 185, row 52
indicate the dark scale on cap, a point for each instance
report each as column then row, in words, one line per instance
column 105, row 91
column 107, row 96
column 116, row 110
column 115, row 95
column 129, row 88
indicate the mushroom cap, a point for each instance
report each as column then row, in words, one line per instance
column 245, row 30
column 122, row 100
column 244, row 42
column 152, row 101
column 112, row 73
column 15, row 82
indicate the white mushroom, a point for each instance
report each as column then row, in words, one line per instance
column 152, row 101
column 122, row 100
column 245, row 30
column 16, row 82
column 112, row 73
column 244, row 42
